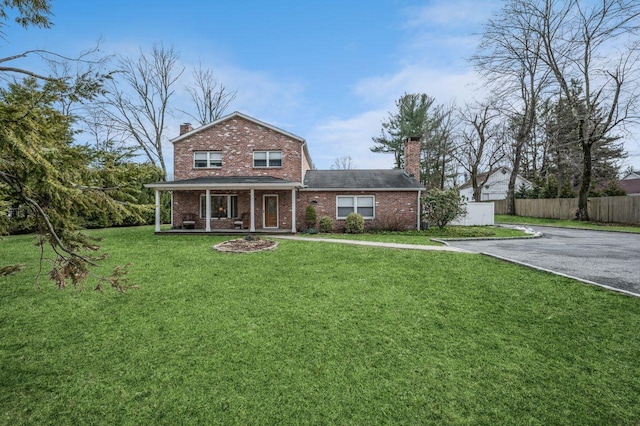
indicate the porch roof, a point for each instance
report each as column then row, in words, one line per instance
column 225, row 182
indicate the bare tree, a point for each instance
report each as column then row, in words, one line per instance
column 209, row 97
column 593, row 45
column 509, row 58
column 438, row 164
column 138, row 102
column 481, row 145
column 343, row 163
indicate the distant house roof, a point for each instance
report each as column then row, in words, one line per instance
column 633, row 174
column 365, row 180
column 226, row 182
column 631, row 186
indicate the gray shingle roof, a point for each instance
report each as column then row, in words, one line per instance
column 361, row 179
column 226, row 182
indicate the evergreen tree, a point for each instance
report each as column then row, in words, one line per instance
column 51, row 179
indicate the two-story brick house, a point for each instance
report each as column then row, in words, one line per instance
column 240, row 173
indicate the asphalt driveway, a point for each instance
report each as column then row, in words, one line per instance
column 610, row 259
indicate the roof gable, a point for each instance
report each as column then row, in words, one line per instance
column 634, row 174
column 233, row 115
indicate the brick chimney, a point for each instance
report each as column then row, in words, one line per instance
column 185, row 128
column 412, row 157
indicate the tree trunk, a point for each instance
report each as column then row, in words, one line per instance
column 511, row 190
column 583, row 194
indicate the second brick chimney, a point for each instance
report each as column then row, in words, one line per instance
column 185, row 128
column 412, row 157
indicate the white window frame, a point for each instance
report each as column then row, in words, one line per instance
column 209, row 154
column 268, row 159
column 354, row 201
column 229, row 215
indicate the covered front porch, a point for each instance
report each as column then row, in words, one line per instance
column 229, row 205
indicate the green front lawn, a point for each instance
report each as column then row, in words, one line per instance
column 566, row 223
column 313, row 333
column 424, row 237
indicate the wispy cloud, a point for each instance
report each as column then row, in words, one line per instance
column 445, row 86
column 431, row 59
column 446, row 13
column 337, row 137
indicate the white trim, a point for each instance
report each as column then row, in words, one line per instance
column 208, row 166
column 229, row 203
column 355, row 205
column 170, row 186
column 267, row 159
column 252, row 228
column 264, row 211
column 207, row 210
column 307, row 189
column 157, row 210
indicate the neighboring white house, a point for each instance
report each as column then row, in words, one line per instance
column 495, row 185
column 634, row 174
column 631, row 183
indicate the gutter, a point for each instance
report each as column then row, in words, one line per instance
column 308, row 189
column 169, row 187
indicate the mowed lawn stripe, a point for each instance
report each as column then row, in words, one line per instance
column 313, row 333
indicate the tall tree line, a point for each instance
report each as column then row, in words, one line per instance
column 563, row 80
column 56, row 185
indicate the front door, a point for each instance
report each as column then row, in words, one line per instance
column 270, row 211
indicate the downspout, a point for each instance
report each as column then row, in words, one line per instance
column 419, row 208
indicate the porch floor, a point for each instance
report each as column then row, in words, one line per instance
column 224, row 232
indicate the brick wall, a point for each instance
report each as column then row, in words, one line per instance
column 188, row 202
column 412, row 157
column 237, row 138
column 390, row 207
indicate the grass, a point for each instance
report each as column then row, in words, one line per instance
column 424, row 237
column 567, row 223
column 313, row 333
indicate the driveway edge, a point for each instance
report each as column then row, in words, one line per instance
column 517, row 262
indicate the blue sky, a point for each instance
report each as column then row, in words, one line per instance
column 326, row 70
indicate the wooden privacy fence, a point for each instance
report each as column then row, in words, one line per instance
column 602, row 209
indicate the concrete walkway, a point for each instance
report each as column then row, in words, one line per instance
column 374, row 244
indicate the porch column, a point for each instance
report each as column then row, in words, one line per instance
column 207, row 226
column 252, row 213
column 157, row 210
column 293, row 211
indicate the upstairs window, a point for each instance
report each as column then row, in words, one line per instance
column 267, row 158
column 363, row 205
column 207, row 160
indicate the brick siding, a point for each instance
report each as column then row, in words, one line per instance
column 237, row 138
column 397, row 208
